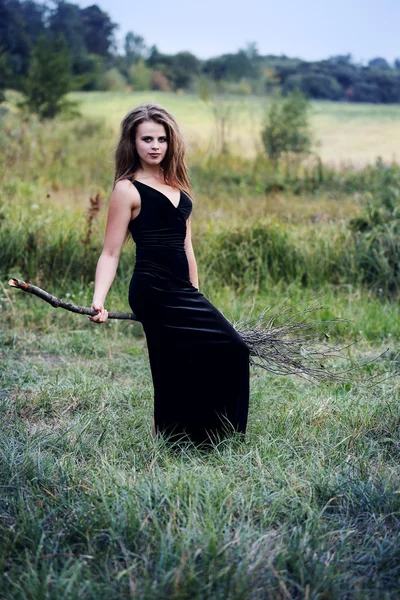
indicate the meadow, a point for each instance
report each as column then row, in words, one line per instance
column 308, row 504
column 346, row 133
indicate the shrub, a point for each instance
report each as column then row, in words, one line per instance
column 140, row 76
column 286, row 128
column 159, row 82
column 113, row 80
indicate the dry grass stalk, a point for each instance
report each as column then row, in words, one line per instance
column 92, row 212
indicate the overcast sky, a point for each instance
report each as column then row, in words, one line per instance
column 308, row 29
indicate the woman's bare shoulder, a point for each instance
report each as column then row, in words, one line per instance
column 125, row 191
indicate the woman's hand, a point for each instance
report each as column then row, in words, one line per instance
column 102, row 314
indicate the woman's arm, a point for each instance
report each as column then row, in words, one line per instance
column 190, row 256
column 124, row 199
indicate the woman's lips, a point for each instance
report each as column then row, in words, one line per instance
column 154, row 154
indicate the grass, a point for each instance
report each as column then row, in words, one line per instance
column 91, row 506
column 353, row 133
column 51, row 248
column 308, row 504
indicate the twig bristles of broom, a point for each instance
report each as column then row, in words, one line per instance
column 294, row 347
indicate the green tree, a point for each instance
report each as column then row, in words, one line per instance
column 49, row 79
column 180, row 69
column 5, row 73
column 140, row 76
column 19, row 27
column 233, row 67
column 379, row 63
column 65, row 19
column 286, row 128
column 98, row 31
column 135, row 47
column 184, row 66
column 314, row 85
column 92, row 77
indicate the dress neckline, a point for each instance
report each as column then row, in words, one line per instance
column 162, row 194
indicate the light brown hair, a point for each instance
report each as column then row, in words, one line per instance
column 127, row 160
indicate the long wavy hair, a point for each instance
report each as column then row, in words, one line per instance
column 127, row 160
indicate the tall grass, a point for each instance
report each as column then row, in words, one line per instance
column 55, row 251
column 91, row 506
column 42, row 158
column 52, row 167
column 307, row 506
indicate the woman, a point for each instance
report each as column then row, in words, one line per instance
column 199, row 363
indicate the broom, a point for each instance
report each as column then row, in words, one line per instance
column 295, row 346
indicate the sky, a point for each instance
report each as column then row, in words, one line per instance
column 307, row 29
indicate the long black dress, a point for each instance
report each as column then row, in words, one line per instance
column 199, row 363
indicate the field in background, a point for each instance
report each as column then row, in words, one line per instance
column 91, row 506
column 348, row 133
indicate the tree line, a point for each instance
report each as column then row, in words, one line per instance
column 86, row 39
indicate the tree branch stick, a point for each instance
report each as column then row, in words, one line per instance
column 58, row 303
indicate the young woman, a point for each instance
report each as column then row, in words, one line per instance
column 199, row 363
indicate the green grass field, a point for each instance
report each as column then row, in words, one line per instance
column 344, row 133
column 93, row 507
column 307, row 506
column 348, row 133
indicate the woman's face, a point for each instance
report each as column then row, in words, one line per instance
column 151, row 142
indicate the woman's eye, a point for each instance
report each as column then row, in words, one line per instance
column 149, row 139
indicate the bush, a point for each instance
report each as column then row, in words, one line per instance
column 159, row 82
column 286, row 129
column 113, row 80
column 140, row 76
